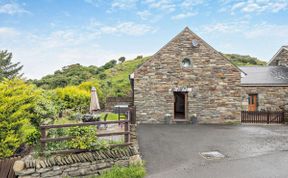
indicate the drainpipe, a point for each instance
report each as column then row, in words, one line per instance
column 131, row 78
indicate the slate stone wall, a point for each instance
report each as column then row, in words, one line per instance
column 75, row 165
column 269, row 98
column 212, row 82
column 112, row 101
column 282, row 57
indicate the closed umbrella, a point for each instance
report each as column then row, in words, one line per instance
column 94, row 104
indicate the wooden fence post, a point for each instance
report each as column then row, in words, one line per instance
column 127, row 135
column 43, row 136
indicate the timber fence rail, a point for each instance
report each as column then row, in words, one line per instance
column 126, row 134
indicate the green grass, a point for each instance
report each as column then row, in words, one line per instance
column 64, row 120
column 133, row 171
column 118, row 77
column 111, row 117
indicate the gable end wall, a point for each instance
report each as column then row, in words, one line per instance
column 214, row 82
column 282, row 57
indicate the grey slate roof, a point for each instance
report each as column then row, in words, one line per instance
column 265, row 76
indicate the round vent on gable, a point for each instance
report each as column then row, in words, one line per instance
column 195, row 43
column 186, row 62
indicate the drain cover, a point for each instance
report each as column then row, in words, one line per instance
column 212, row 155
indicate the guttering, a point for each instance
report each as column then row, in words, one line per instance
column 263, row 85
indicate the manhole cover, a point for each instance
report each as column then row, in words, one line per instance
column 212, row 155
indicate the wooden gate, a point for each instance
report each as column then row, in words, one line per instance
column 6, row 167
column 262, row 117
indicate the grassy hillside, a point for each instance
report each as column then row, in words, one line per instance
column 111, row 79
column 116, row 81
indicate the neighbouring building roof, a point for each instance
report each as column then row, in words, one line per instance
column 265, row 76
column 285, row 47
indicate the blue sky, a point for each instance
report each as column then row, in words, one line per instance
column 45, row 35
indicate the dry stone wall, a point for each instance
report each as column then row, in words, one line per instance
column 75, row 165
column 212, row 82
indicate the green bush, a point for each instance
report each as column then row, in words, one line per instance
column 33, row 138
column 22, row 108
column 85, row 137
column 72, row 97
column 133, row 171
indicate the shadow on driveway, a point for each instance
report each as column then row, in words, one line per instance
column 250, row 151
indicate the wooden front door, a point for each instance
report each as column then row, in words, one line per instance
column 252, row 102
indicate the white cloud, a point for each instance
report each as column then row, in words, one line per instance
column 257, row 6
column 6, row 32
column 68, row 45
column 268, row 30
column 144, row 15
column 93, row 2
column 165, row 5
column 12, row 8
column 188, row 4
column 127, row 28
column 227, row 27
column 248, row 30
column 123, row 4
column 183, row 16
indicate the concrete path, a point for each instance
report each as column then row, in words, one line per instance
column 172, row 151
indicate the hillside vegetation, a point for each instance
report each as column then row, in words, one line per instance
column 244, row 60
column 111, row 79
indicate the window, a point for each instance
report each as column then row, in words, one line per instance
column 186, row 62
column 277, row 63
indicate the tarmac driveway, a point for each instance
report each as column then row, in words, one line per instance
column 172, row 151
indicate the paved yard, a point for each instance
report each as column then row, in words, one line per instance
column 172, row 151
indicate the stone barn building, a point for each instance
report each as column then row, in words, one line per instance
column 266, row 88
column 187, row 79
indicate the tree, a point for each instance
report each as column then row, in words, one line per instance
column 7, row 68
column 109, row 64
column 22, row 108
column 121, row 59
column 73, row 74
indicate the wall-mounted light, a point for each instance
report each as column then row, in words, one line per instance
column 195, row 43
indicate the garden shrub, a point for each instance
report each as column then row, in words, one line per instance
column 85, row 137
column 72, row 97
column 22, row 108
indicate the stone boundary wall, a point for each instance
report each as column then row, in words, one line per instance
column 76, row 165
column 112, row 101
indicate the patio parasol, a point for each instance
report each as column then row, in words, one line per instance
column 94, row 104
